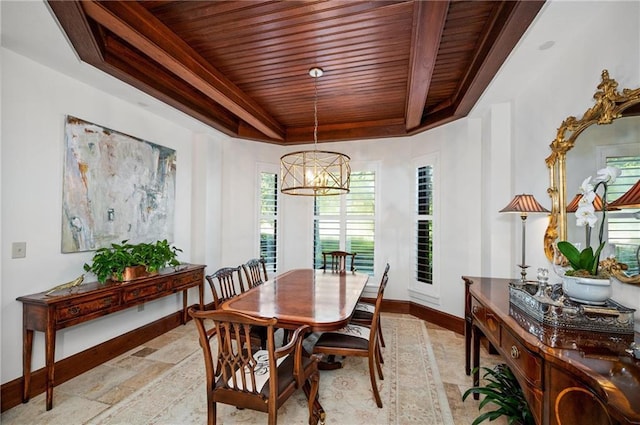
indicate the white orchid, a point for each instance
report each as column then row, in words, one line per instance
column 587, row 260
column 586, row 215
column 586, row 186
column 608, row 175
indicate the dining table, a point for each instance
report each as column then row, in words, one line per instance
column 321, row 299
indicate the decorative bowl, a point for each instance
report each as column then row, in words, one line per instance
column 586, row 290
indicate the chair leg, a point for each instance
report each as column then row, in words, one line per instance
column 372, row 376
column 316, row 411
column 380, row 334
column 273, row 413
column 211, row 414
column 379, row 358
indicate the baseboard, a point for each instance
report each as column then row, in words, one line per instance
column 445, row 320
column 70, row 367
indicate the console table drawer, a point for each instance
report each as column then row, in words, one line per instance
column 525, row 363
column 187, row 279
column 81, row 309
column 143, row 292
column 487, row 320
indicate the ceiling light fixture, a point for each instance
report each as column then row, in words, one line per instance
column 315, row 172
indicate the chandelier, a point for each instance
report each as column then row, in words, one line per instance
column 315, row 172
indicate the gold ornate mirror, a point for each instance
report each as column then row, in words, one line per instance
column 610, row 105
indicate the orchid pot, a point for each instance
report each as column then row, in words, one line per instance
column 587, row 290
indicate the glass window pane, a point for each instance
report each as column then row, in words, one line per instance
column 268, row 219
column 623, row 226
column 425, row 251
column 347, row 222
column 425, row 190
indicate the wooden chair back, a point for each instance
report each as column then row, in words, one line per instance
column 375, row 322
column 241, row 374
column 225, row 283
column 255, row 270
column 338, row 261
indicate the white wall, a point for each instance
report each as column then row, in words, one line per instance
column 485, row 159
column 35, row 101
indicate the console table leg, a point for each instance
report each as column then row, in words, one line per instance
column 50, row 348
column 184, row 306
column 27, row 348
column 467, row 346
column 476, row 359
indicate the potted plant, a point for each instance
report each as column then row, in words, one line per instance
column 115, row 261
column 585, row 280
column 503, row 390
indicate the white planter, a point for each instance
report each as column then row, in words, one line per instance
column 586, row 290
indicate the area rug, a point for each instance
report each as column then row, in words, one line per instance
column 412, row 391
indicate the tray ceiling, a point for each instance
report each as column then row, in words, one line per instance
column 391, row 68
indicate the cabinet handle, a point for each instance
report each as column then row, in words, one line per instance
column 160, row 287
column 515, row 353
column 73, row 310
column 475, row 309
column 135, row 292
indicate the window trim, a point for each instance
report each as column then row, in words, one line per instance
column 419, row 290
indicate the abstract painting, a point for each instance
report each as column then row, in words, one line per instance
column 116, row 187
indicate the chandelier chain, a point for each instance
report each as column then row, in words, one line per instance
column 315, row 113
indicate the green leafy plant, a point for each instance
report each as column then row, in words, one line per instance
column 583, row 262
column 112, row 261
column 504, row 391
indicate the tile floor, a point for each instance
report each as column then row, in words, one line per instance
column 78, row 400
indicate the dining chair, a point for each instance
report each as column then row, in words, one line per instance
column 224, row 285
column 241, row 375
column 363, row 314
column 357, row 340
column 338, row 261
column 255, row 270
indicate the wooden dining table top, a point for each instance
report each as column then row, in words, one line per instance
column 323, row 300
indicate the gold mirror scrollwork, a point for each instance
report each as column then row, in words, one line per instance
column 609, row 105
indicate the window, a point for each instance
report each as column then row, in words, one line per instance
column 347, row 222
column 269, row 219
column 623, row 226
column 424, row 224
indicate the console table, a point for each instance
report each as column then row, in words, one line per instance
column 65, row 308
column 567, row 376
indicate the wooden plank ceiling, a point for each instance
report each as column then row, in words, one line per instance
column 391, row 68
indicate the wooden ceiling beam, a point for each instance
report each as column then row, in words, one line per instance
column 428, row 24
column 508, row 26
column 134, row 24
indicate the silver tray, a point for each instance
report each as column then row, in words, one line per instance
column 554, row 309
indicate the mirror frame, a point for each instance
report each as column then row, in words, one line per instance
column 609, row 106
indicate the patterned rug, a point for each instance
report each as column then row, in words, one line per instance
column 412, row 391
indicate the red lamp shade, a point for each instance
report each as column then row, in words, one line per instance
column 631, row 199
column 524, row 204
column 597, row 204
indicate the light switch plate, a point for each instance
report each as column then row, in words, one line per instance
column 18, row 250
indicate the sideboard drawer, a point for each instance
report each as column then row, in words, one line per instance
column 187, row 279
column 142, row 292
column 487, row 320
column 84, row 308
column 526, row 363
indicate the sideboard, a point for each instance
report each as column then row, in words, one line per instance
column 567, row 376
column 49, row 313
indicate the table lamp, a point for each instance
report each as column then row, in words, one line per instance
column 524, row 204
